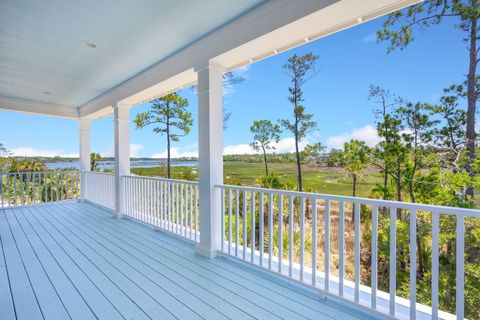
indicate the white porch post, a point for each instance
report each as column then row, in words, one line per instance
column 210, row 157
column 122, row 152
column 84, row 153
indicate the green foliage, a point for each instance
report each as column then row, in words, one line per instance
column 94, row 159
column 27, row 165
column 170, row 117
column 264, row 134
column 355, row 158
column 270, row 182
column 297, row 68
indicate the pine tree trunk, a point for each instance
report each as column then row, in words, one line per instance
column 472, row 100
column 168, row 151
column 299, row 165
column 354, row 185
column 265, row 159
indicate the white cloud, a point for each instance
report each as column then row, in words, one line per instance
column 238, row 149
column 175, row 153
column 34, row 152
column 284, row 145
column 134, row 151
column 366, row 133
column 370, row 38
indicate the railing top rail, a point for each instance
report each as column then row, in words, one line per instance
column 37, row 172
column 161, row 179
column 99, row 173
column 374, row 202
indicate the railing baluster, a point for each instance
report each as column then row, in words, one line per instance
column 45, row 186
column 57, row 187
column 192, row 187
column 170, row 206
column 374, row 256
column 302, row 236
column 15, row 189
column 314, row 241
column 162, row 205
column 222, row 223
column 177, row 202
column 196, row 212
column 244, row 224
column 51, row 187
column 280, row 232
column 435, row 270
column 22, row 193
column 327, row 245
column 67, row 184
column 237, row 234
column 290, row 236
column 252, row 227
column 2, row 189
column 229, row 221
column 28, row 188
column 182, row 210
column 261, row 232
column 8, row 191
column 270, row 230
column 393, row 259
column 356, row 213
column 460, row 271
column 413, row 264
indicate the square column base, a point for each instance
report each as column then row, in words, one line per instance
column 206, row 252
column 117, row 215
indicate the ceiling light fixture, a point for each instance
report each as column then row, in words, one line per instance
column 89, row 44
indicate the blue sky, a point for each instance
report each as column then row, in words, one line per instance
column 337, row 96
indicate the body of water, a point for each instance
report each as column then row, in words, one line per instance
column 102, row 165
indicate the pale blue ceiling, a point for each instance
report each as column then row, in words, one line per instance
column 41, row 46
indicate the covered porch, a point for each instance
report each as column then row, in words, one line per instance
column 87, row 244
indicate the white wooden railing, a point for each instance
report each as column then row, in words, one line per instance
column 167, row 204
column 282, row 217
column 28, row 188
column 100, row 188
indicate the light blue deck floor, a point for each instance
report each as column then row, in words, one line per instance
column 73, row 261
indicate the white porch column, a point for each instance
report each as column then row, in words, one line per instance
column 122, row 152
column 210, row 157
column 84, row 153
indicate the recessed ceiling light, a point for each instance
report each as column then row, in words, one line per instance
column 46, row 92
column 89, row 44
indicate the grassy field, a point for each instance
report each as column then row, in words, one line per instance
column 316, row 179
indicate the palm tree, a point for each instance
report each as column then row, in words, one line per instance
column 94, row 158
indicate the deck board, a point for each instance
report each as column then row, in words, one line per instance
column 73, row 260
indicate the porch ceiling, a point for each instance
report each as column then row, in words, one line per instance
column 44, row 53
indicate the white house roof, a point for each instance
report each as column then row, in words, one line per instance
column 145, row 48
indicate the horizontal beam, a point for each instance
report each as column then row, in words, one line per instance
column 39, row 108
